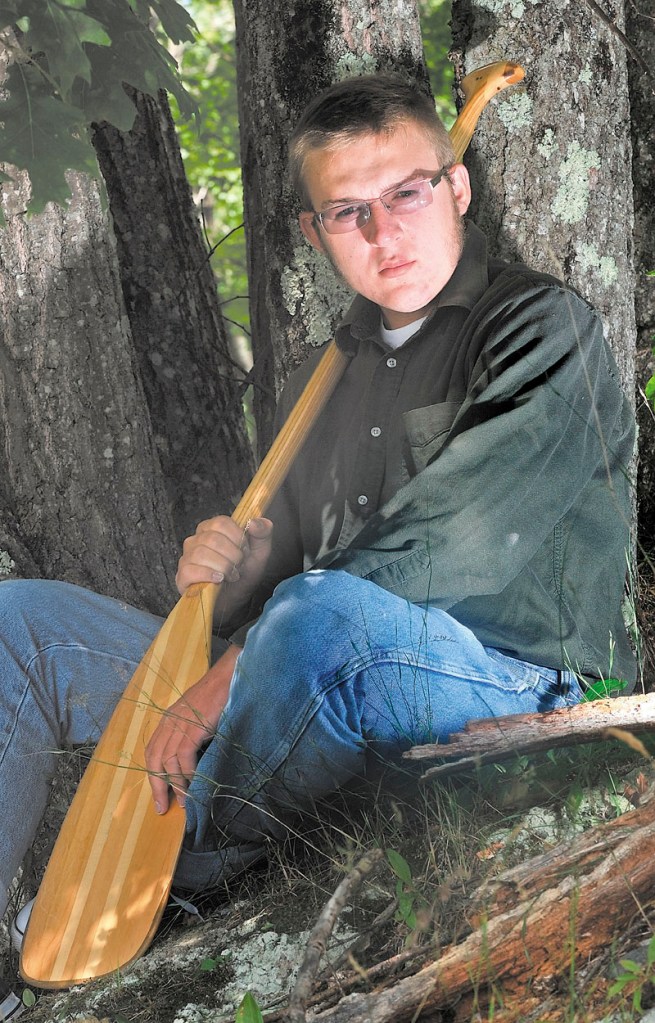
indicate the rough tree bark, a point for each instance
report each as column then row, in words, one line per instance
column 192, row 387
column 120, row 432
column 640, row 19
column 295, row 299
column 81, row 480
column 550, row 165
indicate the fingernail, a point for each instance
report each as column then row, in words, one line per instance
column 217, row 577
column 181, row 801
column 159, row 808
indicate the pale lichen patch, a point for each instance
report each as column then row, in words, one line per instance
column 572, row 198
column 548, row 144
column 7, row 564
column 352, row 64
column 516, row 111
column 591, row 261
column 515, row 8
column 310, row 282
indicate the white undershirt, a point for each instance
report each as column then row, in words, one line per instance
column 396, row 338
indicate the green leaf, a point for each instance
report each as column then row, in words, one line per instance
column 42, row 135
column 141, row 8
column 28, row 998
column 604, row 687
column 208, row 965
column 650, row 389
column 248, row 1011
column 618, row 985
column 400, row 866
column 176, row 22
column 59, row 31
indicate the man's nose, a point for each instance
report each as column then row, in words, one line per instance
column 382, row 225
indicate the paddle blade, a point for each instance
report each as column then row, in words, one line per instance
column 100, row 903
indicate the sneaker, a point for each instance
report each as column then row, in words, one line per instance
column 18, row 927
column 19, row 924
column 11, row 1006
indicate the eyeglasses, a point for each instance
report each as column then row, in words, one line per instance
column 406, row 198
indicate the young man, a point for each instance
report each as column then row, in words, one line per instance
column 450, row 544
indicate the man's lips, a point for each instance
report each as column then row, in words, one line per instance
column 395, row 269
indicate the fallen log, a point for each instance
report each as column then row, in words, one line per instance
column 491, row 739
column 532, row 923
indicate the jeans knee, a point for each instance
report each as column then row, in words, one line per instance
column 320, row 592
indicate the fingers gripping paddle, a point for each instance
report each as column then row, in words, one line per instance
column 111, row 870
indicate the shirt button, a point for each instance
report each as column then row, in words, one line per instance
column 362, row 499
column 391, row 363
column 375, row 431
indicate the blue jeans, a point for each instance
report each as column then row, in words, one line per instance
column 336, row 676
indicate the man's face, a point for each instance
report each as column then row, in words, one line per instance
column 401, row 262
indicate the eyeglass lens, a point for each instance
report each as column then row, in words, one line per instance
column 407, row 198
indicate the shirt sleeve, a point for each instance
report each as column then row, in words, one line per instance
column 543, row 414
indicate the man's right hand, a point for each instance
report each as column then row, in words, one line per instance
column 220, row 551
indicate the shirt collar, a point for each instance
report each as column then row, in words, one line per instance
column 469, row 281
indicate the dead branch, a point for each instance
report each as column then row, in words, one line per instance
column 532, row 925
column 322, row 930
column 492, row 739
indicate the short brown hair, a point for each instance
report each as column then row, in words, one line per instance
column 368, row 104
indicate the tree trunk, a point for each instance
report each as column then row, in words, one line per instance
column 640, row 28
column 550, row 165
column 283, row 61
column 80, row 474
column 192, row 387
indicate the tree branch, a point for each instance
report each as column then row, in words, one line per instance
column 491, row 739
column 322, row 930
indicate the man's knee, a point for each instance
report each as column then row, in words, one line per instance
column 322, row 592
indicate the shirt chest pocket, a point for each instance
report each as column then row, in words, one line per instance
column 426, row 430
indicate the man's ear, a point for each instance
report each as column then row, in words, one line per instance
column 461, row 185
column 310, row 229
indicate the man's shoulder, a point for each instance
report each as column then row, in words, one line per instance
column 519, row 289
column 517, row 278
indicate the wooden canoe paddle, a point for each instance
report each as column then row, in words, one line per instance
column 111, row 869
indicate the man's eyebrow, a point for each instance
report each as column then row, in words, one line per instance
column 415, row 175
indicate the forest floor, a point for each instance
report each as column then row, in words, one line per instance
column 442, row 843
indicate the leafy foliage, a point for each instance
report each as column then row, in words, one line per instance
column 435, row 30
column 211, row 155
column 635, row 978
column 69, row 62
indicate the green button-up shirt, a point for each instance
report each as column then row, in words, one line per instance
column 481, row 468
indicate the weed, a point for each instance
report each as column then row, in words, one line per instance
column 636, row 978
column 407, row 896
column 249, row 1011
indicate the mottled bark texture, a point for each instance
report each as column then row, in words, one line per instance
column 550, row 162
column 192, row 387
column 640, row 18
column 284, row 58
column 81, row 497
